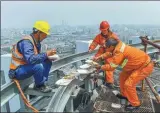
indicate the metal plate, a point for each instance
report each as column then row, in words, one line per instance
column 105, row 106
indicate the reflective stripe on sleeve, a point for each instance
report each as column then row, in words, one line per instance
column 113, row 65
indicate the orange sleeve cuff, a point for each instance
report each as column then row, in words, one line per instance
column 91, row 47
column 106, row 55
column 107, row 67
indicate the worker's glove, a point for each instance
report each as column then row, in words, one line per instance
column 51, row 52
column 97, row 66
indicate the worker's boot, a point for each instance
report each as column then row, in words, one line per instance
column 131, row 108
column 121, row 97
column 43, row 88
column 109, row 85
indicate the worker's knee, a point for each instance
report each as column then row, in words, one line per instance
column 48, row 62
column 38, row 67
column 128, row 85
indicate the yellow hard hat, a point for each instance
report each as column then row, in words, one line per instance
column 42, row 26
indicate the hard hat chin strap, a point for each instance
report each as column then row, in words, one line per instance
column 39, row 36
column 35, row 31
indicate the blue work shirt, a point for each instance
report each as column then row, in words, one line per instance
column 26, row 48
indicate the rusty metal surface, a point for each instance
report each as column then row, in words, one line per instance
column 145, row 42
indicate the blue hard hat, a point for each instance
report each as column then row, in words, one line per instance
column 111, row 42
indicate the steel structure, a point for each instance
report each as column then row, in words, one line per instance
column 62, row 95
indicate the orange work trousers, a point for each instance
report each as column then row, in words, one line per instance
column 109, row 78
column 128, row 81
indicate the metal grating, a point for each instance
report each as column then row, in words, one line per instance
column 143, row 95
column 104, row 101
column 155, row 76
column 143, row 109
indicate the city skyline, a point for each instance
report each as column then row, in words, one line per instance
column 23, row 14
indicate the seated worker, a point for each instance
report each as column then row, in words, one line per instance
column 136, row 69
column 27, row 60
column 100, row 39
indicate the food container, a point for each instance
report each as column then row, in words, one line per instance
column 85, row 66
column 54, row 57
column 91, row 62
column 82, row 71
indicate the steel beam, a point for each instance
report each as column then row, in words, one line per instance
column 70, row 59
column 69, row 105
column 42, row 103
column 30, row 91
column 53, row 104
column 8, row 91
column 61, row 97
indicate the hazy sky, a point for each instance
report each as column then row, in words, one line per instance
column 25, row 13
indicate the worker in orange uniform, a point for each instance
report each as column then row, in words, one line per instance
column 100, row 39
column 136, row 65
column 27, row 60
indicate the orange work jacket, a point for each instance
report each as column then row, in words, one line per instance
column 130, row 58
column 100, row 40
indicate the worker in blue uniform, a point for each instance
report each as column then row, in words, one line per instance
column 27, row 60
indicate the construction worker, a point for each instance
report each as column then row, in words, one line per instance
column 100, row 39
column 136, row 65
column 27, row 60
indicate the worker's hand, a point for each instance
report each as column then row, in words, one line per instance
column 96, row 58
column 89, row 50
column 51, row 52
